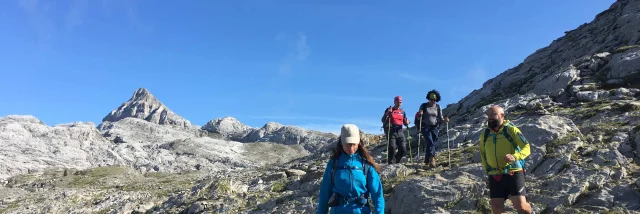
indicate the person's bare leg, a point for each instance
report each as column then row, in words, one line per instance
column 521, row 204
column 497, row 205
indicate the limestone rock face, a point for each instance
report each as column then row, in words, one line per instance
column 28, row 145
column 233, row 129
column 229, row 127
column 143, row 105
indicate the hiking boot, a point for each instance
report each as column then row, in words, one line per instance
column 392, row 161
column 432, row 162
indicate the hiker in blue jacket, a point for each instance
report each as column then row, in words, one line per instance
column 351, row 178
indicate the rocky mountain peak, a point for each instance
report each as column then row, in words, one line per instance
column 229, row 127
column 272, row 126
column 142, row 94
column 143, row 105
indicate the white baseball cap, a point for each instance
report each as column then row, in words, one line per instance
column 350, row 134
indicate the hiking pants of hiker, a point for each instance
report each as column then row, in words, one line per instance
column 430, row 134
column 396, row 141
column 506, row 185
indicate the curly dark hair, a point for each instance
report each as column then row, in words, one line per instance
column 434, row 92
column 337, row 151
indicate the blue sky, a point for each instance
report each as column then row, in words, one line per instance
column 314, row 64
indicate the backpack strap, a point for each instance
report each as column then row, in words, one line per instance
column 333, row 171
column 485, row 136
column 423, row 107
column 505, row 132
column 365, row 169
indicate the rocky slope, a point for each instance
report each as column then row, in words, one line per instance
column 233, row 129
column 28, row 145
column 576, row 101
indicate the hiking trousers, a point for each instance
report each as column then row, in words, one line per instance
column 430, row 134
column 506, row 185
column 396, row 141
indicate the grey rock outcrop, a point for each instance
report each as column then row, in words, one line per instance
column 625, row 63
column 229, row 127
column 274, row 132
column 144, row 105
column 291, row 135
column 28, row 145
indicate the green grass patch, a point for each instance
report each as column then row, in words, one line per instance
column 483, row 206
column 624, row 48
column 553, row 145
column 92, row 177
column 515, row 114
column 10, row 206
column 627, row 107
column 389, row 184
column 451, row 204
column 278, row 186
column 590, row 109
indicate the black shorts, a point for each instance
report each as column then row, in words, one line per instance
column 509, row 185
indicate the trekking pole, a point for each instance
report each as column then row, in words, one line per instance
column 409, row 142
column 448, row 149
column 388, row 137
column 419, row 136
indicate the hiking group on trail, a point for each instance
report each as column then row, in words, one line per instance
column 430, row 118
column 351, row 182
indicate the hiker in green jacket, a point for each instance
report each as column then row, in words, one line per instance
column 503, row 149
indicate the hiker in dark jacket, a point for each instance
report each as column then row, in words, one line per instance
column 351, row 177
column 431, row 115
column 393, row 119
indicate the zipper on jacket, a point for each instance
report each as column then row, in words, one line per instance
column 351, row 173
column 495, row 150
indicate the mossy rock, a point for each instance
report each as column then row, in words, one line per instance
column 624, row 48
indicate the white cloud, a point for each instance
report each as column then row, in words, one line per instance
column 329, row 128
column 285, row 67
column 335, row 128
column 473, row 79
column 74, row 16
column 347, row 97
column 47, row 25
column 43, row 25
column 281, row 36
column 326, row 123
column 477, row 74
column 368, row 122
column 302, row 48
column 300, row 51
column 421, row 78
